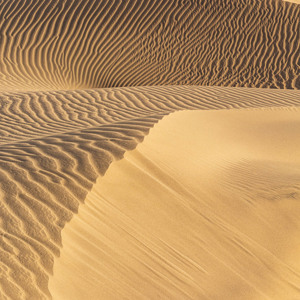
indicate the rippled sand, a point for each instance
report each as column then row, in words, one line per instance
column 66, row 44
column 206, row 207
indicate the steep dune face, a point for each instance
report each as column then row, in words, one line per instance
column 54, row 146
column 53, row 150
column 66, row 44
column 207, row 207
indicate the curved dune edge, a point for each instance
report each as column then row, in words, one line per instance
column 55, row 145
column 206, row 207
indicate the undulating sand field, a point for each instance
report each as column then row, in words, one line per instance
column 206, row 206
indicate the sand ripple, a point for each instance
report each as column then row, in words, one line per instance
column 87, row 44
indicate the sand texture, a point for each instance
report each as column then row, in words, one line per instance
column 54, row 147
column 150, row 231
column 207, row 207
column 66, row 44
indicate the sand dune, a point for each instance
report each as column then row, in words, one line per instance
column 150, row 230
column 82, row 82
column 66, row 44
column 56, row 144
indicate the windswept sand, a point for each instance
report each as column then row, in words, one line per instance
column 56, row 144
column 67, row 44
column 207, row 207
column 83, row 82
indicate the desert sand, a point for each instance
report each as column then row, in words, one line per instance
column 207, row 207
column 66, row 44
column 149, row 229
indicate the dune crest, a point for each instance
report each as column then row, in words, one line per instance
column 207, row 207
column 56, row 144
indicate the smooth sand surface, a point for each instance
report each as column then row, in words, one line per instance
column 207, row 207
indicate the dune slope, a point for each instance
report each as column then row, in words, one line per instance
column 55, row 145
column 207, row 207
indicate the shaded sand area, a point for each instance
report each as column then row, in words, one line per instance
column 207, row 207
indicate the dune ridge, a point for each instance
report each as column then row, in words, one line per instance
column 65, row 44
column 150, row 230
column 56, row 144
column 37, row 114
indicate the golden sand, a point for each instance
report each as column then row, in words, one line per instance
column 206, row 207
column 67, row 44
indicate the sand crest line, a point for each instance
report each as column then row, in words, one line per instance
column 46, row 170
